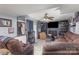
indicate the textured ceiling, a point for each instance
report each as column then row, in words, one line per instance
column 37, row 11
column 23, row 9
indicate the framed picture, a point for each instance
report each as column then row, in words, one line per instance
column 10, row 30
column 5, row 22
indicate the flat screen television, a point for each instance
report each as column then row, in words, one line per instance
column 53, row 25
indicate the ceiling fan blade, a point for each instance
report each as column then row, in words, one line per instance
column 50, row 18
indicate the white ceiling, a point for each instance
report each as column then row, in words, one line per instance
column 60, row 12
column 37, row 11
column 23, row 9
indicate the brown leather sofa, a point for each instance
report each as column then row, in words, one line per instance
column 16, row 47
column 66, row 45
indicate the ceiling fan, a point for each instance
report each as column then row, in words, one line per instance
column 47, row 17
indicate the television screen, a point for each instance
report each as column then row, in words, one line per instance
column 53, row 25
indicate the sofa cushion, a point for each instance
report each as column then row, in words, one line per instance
column 76, row 41
column 72, row 36
column 61, row 39
column 67, row 38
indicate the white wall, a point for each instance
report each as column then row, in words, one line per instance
column 22, row 38
column 72, row 29
column 77, row 28
column 4, row 30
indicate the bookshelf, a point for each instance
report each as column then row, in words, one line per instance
column 63, row 27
